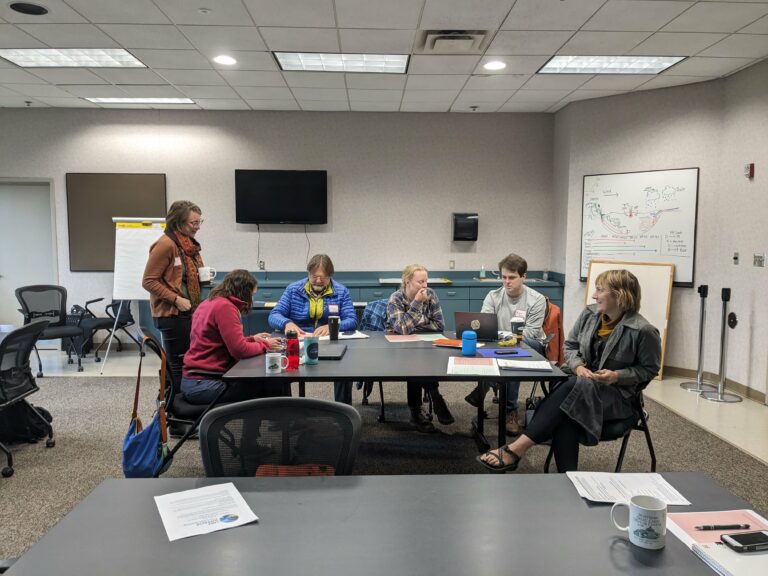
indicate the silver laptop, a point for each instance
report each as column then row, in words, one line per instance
column 486, row 325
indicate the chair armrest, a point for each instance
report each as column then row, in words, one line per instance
column 92, row 302
column 211, row 373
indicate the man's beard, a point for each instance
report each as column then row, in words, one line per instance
column 318, row 288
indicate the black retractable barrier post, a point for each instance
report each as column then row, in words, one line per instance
column 720, row 395
column 700, row 385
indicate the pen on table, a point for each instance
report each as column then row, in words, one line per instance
column 723, row 527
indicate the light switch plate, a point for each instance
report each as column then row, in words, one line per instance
column 758, row 260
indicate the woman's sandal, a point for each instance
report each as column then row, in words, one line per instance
column 498, row 465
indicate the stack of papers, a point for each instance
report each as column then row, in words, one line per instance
column 529, row 365
column 347, row 336
column 426, row 337
column 611, row 487
column 472, row 366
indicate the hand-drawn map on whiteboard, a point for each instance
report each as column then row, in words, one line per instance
column 641, row 217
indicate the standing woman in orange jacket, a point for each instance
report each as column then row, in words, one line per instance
column 172, row 281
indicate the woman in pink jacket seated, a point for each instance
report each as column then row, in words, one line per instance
column 217, row 343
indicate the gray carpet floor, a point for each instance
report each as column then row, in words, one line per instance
column 91, row 416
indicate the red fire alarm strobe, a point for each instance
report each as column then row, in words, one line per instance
column 749, row 170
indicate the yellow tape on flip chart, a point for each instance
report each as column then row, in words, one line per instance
column 146, row 224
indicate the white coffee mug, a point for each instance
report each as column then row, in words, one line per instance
column 647, row 521
column 275, row 362
column 206, row 273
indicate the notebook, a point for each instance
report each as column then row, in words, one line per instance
column 486, row 325
column 331, row 351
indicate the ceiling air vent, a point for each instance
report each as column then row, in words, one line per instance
column 452, row 41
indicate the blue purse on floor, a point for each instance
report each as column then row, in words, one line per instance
column 145, row 450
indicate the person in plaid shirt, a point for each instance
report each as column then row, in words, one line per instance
column 416, row 308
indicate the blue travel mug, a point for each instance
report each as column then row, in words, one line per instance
column 469, row 343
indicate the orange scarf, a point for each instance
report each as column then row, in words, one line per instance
column 606, row 327
column 190, row 253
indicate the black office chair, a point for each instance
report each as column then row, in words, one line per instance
column 280, row 437
column 616, row 429
column 50, row 302
column 16, row 380
column 90, row 323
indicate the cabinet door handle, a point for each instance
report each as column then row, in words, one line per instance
column 378, row 293
column 451, row 293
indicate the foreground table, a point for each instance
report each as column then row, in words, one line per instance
column 371, row 525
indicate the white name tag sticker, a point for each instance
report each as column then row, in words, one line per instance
column 333, row 309
column 177, row 261
column 521, row 314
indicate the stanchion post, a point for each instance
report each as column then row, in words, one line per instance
column 720, row 395
column 700, row 385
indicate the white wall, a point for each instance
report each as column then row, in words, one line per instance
column 718, row 126
column 394, row 179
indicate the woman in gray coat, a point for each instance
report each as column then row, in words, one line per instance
column 610, row 351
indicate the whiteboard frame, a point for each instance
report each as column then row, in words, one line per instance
column 686, row 280
column 626, row 265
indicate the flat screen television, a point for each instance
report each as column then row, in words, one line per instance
column 281, row 196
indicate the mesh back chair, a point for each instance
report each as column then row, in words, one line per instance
column 16, row 380
column 280, row 437
column 622, row 429
column 91, row 323
column 50, row 303
column 373, row 318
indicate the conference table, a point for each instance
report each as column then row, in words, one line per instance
column 473, row 524
column 376, row 359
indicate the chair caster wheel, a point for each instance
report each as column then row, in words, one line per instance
column 143, row 354
column 364, row 402
column 381, row 419
column 7, row 472
column 70, row 361
column 97, row 359
column 80, row 368
column 39, row 374
column 119, row 348
column 50, row 443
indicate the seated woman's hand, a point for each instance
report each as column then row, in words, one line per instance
column 321, row 331
column 263, row 335
column 584, row 372
column 275, row 344
column 606, row 376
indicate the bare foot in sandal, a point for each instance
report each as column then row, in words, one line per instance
column 502, row 459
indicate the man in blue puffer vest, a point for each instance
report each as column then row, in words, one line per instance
column 306, row 304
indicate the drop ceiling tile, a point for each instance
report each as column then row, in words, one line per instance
column 67, row 102
column 68, row 76
column 513, row 106
column 442, row 64
column 249, row 61
column 539, row 95
column 324, row 105
column 550, row 14
column 484, row 96
column 95, row 91
column 717, row 17
column 472, row 108
column 13, row 93
column 464, row 14
column 436, row 81
column 315, row 79
column 249, row 78
column 359, row 40
column 301, row 39
column 639, row 15
column 215, row 40
column 309, row 13
column 527, row 42
column 709, row 67
column 435, row 96
column 676, row 43
column 395, row 14
column 758, row 27
column 740, row 46
column 58, row 13
column 69, row 35
column 364, row 106
column 598, row 43
column 556, row 81
column 128, row 75
column 496, row 82
column 40, row 90
column 667, row 81
column 273, row 104
column 124, row 106
column 217, row 104
column 222, row 12
column 590, row 94
column 172, row 59
column 13, row 37
column 153, row 91
column 425, row 106
column 147, row 36
column 515, row 64
column 174, row 106
column 320, row 93
column 376, row 95
column 191, row 77
column 264, row 93
column 375, row 81
column 17, row 76
column 212, row 92
column 119, row 11
column 616, row 81
column 20, row 102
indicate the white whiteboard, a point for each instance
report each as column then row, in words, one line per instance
column 641, row 217
column 133, row 237
column 655, row 292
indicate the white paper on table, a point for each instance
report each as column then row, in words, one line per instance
column 430, row 337
column 344, row 336
column 203, row 510
column 611, row 487
column 472, row 366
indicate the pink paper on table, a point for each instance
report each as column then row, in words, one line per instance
column 402, row 338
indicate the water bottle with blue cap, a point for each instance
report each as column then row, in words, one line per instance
column 469, row 343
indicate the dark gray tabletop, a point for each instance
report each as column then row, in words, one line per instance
column 372, row 525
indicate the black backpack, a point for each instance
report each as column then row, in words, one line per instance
column 19, row 423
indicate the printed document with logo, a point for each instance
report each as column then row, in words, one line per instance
column 611, row 487
column 203, row 510
column 472, row 366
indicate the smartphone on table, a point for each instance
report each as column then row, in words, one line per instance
column 746, row 541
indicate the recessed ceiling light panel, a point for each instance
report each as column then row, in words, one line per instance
column 140, row 100
column 319, row 62
column 494, row 65
column 224, row 59
column 71, row 58
column 609, row 64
